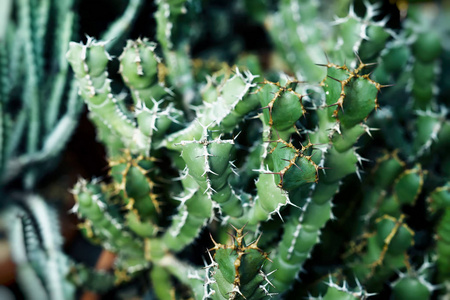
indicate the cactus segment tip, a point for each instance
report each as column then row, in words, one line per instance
column 238, row 268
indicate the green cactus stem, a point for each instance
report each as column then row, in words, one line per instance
column 89, row 63
column 237, row 270
column 102, row 225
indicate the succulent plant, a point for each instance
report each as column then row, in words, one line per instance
column 274, row 148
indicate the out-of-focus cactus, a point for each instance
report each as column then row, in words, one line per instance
column 237, row 270
column 42, row 266
column 39, row 110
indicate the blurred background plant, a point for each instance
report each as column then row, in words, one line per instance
column 311, row 154
column 40, row 110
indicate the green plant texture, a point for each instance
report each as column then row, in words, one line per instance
column 39, row 111
column 317, row 169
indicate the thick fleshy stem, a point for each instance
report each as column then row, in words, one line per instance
column 354, row 96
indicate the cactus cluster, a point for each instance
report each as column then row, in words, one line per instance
column 346, row 121
column 305, row 147
column 39, row 111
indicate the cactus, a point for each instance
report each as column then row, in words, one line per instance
column 287, row 171
column 237, row 270
column 328, row 158
column 39, row 111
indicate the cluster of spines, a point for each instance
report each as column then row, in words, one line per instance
column 344, row 292
column 286, row 106
column 282, row 107
column 237, row 270
column 222, row 113
column 360, row 35
column 140, row 69
column 194, row 211
column 350, row 81
column 212, row 172
column 293, row 166
column 205, row 180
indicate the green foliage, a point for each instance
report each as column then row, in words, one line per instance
column 42, row 266
column 271, row 144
